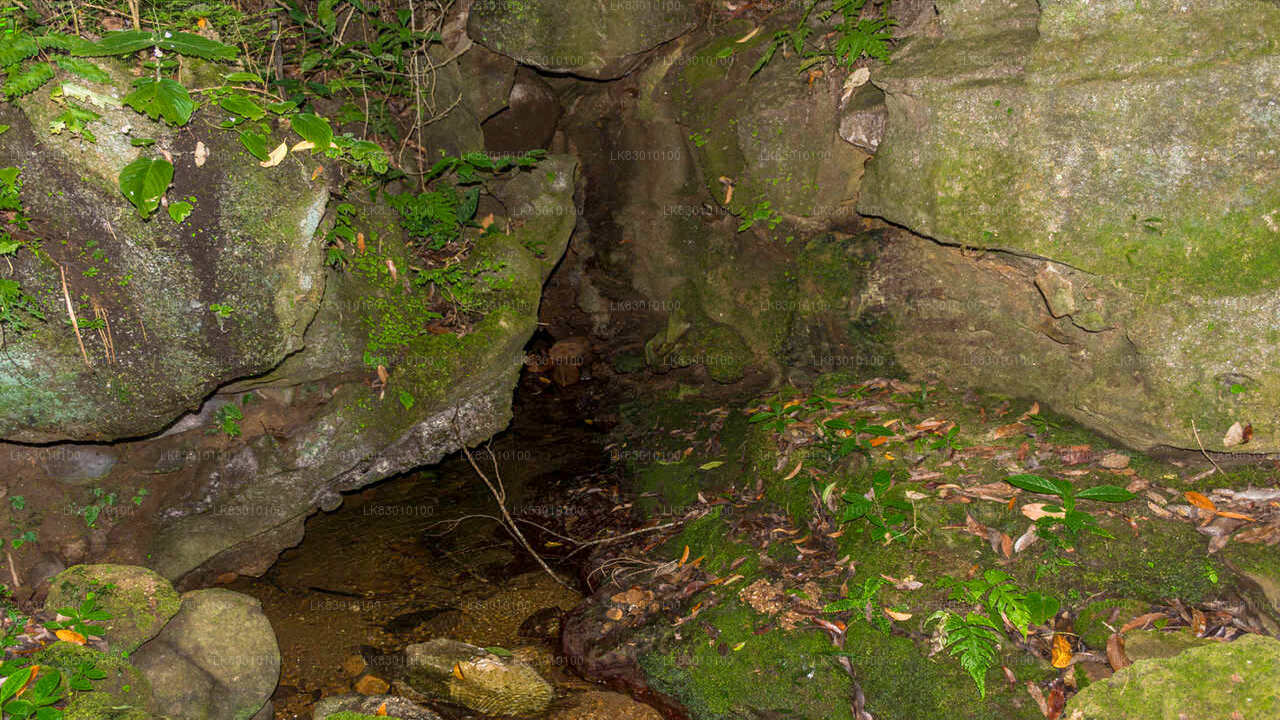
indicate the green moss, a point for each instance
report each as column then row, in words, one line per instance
column 348, row 715
column 1092, row 622
column 123, row 681
column 99, row 705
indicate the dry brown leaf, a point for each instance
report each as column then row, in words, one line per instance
column 70, row 636
column 1198, row 622
column 1235, row 515
column 1009, row 430
column 303, row 145
column 1026, row 539
column 1115, row 652
column 201, row 154
column 895, row 615
column 1006, row 545
column 1035, row 511
column 383, row 376
column 1038, row 696
column 486, row 221
column 795, row 471
column 276, row 157
column 1114, row 461
column 1141, row 621
column 684, row 556
column 1057, row 701
column 748, row 36
column 1234, row 436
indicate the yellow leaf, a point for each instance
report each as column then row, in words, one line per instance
column 1060, row 654
column 381, row 711
column 1199, row 501
column 70, row 636
column 899, row 616
column 276, row 157
column 684, row 557
column 457, row 671
column 739, row 646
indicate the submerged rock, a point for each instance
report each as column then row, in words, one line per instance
column 360, row 707
column 1236, row 679
column 476, row 678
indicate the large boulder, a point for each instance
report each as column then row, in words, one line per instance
column 150, row 346
column 1123, row 156
column 1236, row 679
column 599, row 40
column 138, row 600
column 217, row 659
column 476, row 678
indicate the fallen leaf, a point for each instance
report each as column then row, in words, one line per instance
column 895, row 615
column 1114, row 461
column 1060, row 654
column 201, row 154
column 748, row 36
column 1198, row 622
column 1035, row 511
column 70, row 636
column 457, row 671
column 1235, row 435
column 381, row 711
column 1115, row 652
column 1235, row 516
column 391, row 268
column 360, row 242
column 1038, row 696
column 1006, row 545
column 276, row 157
column 1140, row 621
column 794, row 472
column 684, row 557
column 1026, row 539
column 1199, row 501
column 383, row 376
column 1009, row 430
column 486, row 221
column 1057, row 701
column 304, row 145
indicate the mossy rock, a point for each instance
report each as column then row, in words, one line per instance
column 123, row 683
column 1222, row 680
column 249, row 244
column 139, row 600
column 367, row 707
column 476, row 678
column 99, row 705
column 1147, row 644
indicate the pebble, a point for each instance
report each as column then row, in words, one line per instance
column 371, row 685
column 353, row 665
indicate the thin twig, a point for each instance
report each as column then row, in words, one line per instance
column 13, row 571
column 72, row 312
column 1202, row 450
column 499, row 494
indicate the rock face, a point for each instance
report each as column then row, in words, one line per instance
column 339, row 707
column 217, row 659
column 475, row 678
column 250, row 244
column 139, row 601
column 599, row 40
column 1236, row 679
column 1122, row 152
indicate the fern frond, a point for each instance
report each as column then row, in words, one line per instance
column 59, row 41
column 28, row 81
column 974, row 641
column 1005, row 600
column 83, row 68
column 23, row 47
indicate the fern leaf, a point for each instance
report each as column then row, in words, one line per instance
column 83, row 68
column 28, row 81
column 974, row 641
column 20, row 49
column 1005, row 600
column 60, row 41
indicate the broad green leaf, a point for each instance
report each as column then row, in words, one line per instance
column 179, row 211
column 1106, row 493
column 3, row 128
column 310, row 60
column 8, row 247
column 121, row 42
column 1041, row 608
column 1036, row 484
column 47, row 684
column 282, row 108
column 711, row 465
column 242, row 106
column 185, row 43
column 144, row 182
column 14, row 683
column 255, row 143
column 499, row 651
column 314, row 128
column 162, row 98
column 243, row 77
column 28, row 81
column 19, row 708
column 9, row 176
column 142, row 142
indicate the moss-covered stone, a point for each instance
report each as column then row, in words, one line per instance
column 1099, row 619
column 1219, row 680
column 98, row 705
column 123, row 684
column 139, row 600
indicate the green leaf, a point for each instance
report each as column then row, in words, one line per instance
column 19, row 708
column 711, row 465
column 256, row 144
column 83, row 68
column 47, row 684
column 282, row 108
column 243, row 77
column 324, row 13
column 310, row 60
column 28, row 81
column 185, row 43
column 844, row 604
column 144, row 181
column 179, row 211
column 14, row 683
column 121, row 42
column 18, row 50
column 242, row 106
column 1105, row 493
column 1037, row 484
column 406, row 399
column 1042, row 608
column 499, row 651
column 142, row 142
column 314, row 128
column 162, row 98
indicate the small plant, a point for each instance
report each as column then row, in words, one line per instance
column 842, row 437
column 227, row 418
column 881, row 511
column 778, row 415
column 221, row 310
column 101, row 499
column 974, row 637
column 1063, row 523
column 139, row 496
column 762, row 212
column 17, row 311
column 80, row 619
column 946, row 442
column 863, row 601
column 854, row 37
